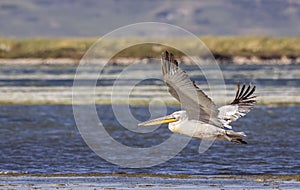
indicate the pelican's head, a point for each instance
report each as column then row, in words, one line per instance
column 177, row 116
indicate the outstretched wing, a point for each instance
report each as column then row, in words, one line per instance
column 243, row 102
column 197, row 104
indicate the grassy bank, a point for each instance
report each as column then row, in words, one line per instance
column 221, row 47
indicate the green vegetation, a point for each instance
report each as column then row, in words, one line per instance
column 221, row 47
column 261, row 47
column 44, row 47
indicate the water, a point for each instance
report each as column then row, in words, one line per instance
column 40, row 138
column 63, row 75
column 44, row 139
column 276, row 84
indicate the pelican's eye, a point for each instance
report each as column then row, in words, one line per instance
column 176, row 115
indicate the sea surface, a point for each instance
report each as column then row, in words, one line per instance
column 44, row 138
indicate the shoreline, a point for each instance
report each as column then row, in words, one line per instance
column 238, row 60
column 148, row 181
column 284, row 177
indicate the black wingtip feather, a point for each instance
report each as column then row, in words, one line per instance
column 238, row 90
column 176, row 62
column 246, row 91
column 251, row 92
column 244, row 96
column 169, row 63
column 242, row 92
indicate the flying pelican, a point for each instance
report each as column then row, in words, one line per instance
column 200, row 117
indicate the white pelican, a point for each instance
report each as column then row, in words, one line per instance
column 201, row 119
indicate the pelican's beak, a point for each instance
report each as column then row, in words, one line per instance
column 161, row 120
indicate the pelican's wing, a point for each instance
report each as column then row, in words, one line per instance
column 243, row 102
column 197, row 104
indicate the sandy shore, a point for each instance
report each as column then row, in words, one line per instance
column 147, row 181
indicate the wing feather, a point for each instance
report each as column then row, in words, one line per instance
column 243, row 103
column 197, row 104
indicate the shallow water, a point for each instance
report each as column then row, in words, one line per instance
column 48, row 84
column 63, row 75
column 44, row 139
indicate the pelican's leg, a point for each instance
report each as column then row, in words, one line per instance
column 235, row 140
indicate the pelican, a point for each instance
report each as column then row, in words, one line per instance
column 200, row 117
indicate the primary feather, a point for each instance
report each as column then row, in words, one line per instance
column 243, row 102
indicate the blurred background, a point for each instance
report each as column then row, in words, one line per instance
column 76, row 18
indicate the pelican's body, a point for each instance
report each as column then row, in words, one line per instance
column 201, row 119
column 198, row 129
column 195, row 128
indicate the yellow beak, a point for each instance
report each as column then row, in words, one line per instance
column 161, row 120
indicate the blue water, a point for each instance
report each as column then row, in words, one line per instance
column 44, row 139
column 261, row 75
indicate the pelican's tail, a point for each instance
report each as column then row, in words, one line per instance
column 235, row 137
